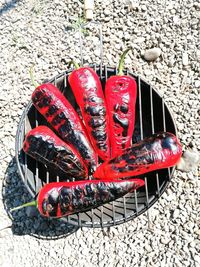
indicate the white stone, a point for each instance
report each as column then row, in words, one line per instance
column 189, row 161
column 152, row 54
column 185, row 59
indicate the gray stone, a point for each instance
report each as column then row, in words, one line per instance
column 152, row 54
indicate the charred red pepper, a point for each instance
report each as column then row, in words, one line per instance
column 121, row 94
column 65, row 198
column 50, row 102
column 88, row 92
column 44, row 145
column 162, row 150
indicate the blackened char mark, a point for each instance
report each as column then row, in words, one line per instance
column 99, row 135
column 66, row 160
column 169, row 143
column 65, row 129
column 115, row 190
column 123, row 122
column 77, row 204
column 52, row 110
column 45, row 101
column 37, row 96
column 93, row 99
column 123, row 145
column 52, row 203
column 90, row 190
column 58, row 119
column 130, row 160
column 78, row 192
column 44, row 148
column 95, row 122
column 65, row 198
column 33, row 142
column 80, row 142
column 116, row 107
column 124, row 108
column 95, row 111
column 118, row 169
column 102, row 146
column 102, row 192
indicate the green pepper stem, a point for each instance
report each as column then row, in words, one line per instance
column 32, row 203
column 121, row 62
column 72, row 62
column 32, row 78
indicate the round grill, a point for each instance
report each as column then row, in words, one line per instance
column 152, row 115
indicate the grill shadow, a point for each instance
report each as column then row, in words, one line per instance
column 29, row 222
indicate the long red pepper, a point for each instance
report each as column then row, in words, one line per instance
column 65, row 198
column 44, row 145
column 88, row 92
column 121, row 94
column 52, row 104
column 162, row 150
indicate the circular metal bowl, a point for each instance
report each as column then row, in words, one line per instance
column 152, row 115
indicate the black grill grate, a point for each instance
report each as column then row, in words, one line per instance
column 152, row 115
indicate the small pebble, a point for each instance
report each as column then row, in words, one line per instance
column 185, row 59
column 152, row 54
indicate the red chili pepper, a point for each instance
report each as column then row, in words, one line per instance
column 65, row 198
column 44, row 145
column 121, row 94
column 50, row 102
column 88, row 92
column 162, row 150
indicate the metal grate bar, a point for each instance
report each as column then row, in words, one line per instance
column 158, row 184
column 65, row 82
column 142, row 137
column 116, row 69
column 25, row 158
column 101, row 72
column 79, row 220
column 92, row 212
column 124, row 203
column 81, row 45
column 102, row 212
column 153, row 131
column 101, row 49
column 136, row 201
column 163, row 112
column 107, row 212
column 151, row 106
column 95, row 67
column 106, row 72
column 55, row 81
column 113, row 210
column 37, row 169
column 140, row 108
column 47, row 176
column 164, row 128
column 147, row 200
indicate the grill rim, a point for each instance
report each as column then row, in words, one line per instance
column 21, row 126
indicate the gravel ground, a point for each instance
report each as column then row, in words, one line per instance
column 37, row 32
